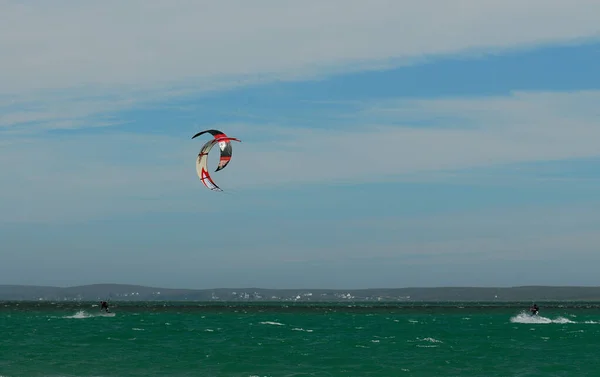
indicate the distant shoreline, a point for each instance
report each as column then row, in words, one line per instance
column 133, row 293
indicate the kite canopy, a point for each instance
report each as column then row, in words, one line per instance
column 224, row 142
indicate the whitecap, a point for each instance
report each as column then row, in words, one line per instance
column 272, row 323
column 301, row 329
column 431, row 340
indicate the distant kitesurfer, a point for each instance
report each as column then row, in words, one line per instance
column 534, row 309
column 104, row 306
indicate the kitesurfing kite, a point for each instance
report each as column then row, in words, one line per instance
column 224, row 142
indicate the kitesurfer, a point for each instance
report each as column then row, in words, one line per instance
column 534, row 309
column 104, row 306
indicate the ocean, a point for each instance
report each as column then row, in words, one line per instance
column 297, row 339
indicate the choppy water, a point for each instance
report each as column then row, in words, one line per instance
column 159, row 339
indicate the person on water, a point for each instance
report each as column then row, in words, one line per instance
column 104, row 306
column 534, row 309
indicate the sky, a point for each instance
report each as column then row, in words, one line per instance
column 385, row 143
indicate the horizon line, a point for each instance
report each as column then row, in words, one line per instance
column 283, row 289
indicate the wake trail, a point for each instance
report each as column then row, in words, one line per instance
column 83, row 314
column 537, row 319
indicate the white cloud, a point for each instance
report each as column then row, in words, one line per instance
column 117, row 47
column 492, row 131
column 90, row 175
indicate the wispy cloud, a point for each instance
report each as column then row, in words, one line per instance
column 89, row 174
column 483, row 132
column 145, row 48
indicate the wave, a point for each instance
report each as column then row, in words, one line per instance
column 272, row 323
column 301, row 329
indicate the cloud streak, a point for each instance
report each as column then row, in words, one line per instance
column 87, row 174
column 138, row 47
column 484, row 132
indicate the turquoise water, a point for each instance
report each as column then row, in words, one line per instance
column 159, row 339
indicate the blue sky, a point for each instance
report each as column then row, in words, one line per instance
column 382, row 145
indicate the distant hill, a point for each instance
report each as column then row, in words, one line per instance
column 119, row 292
